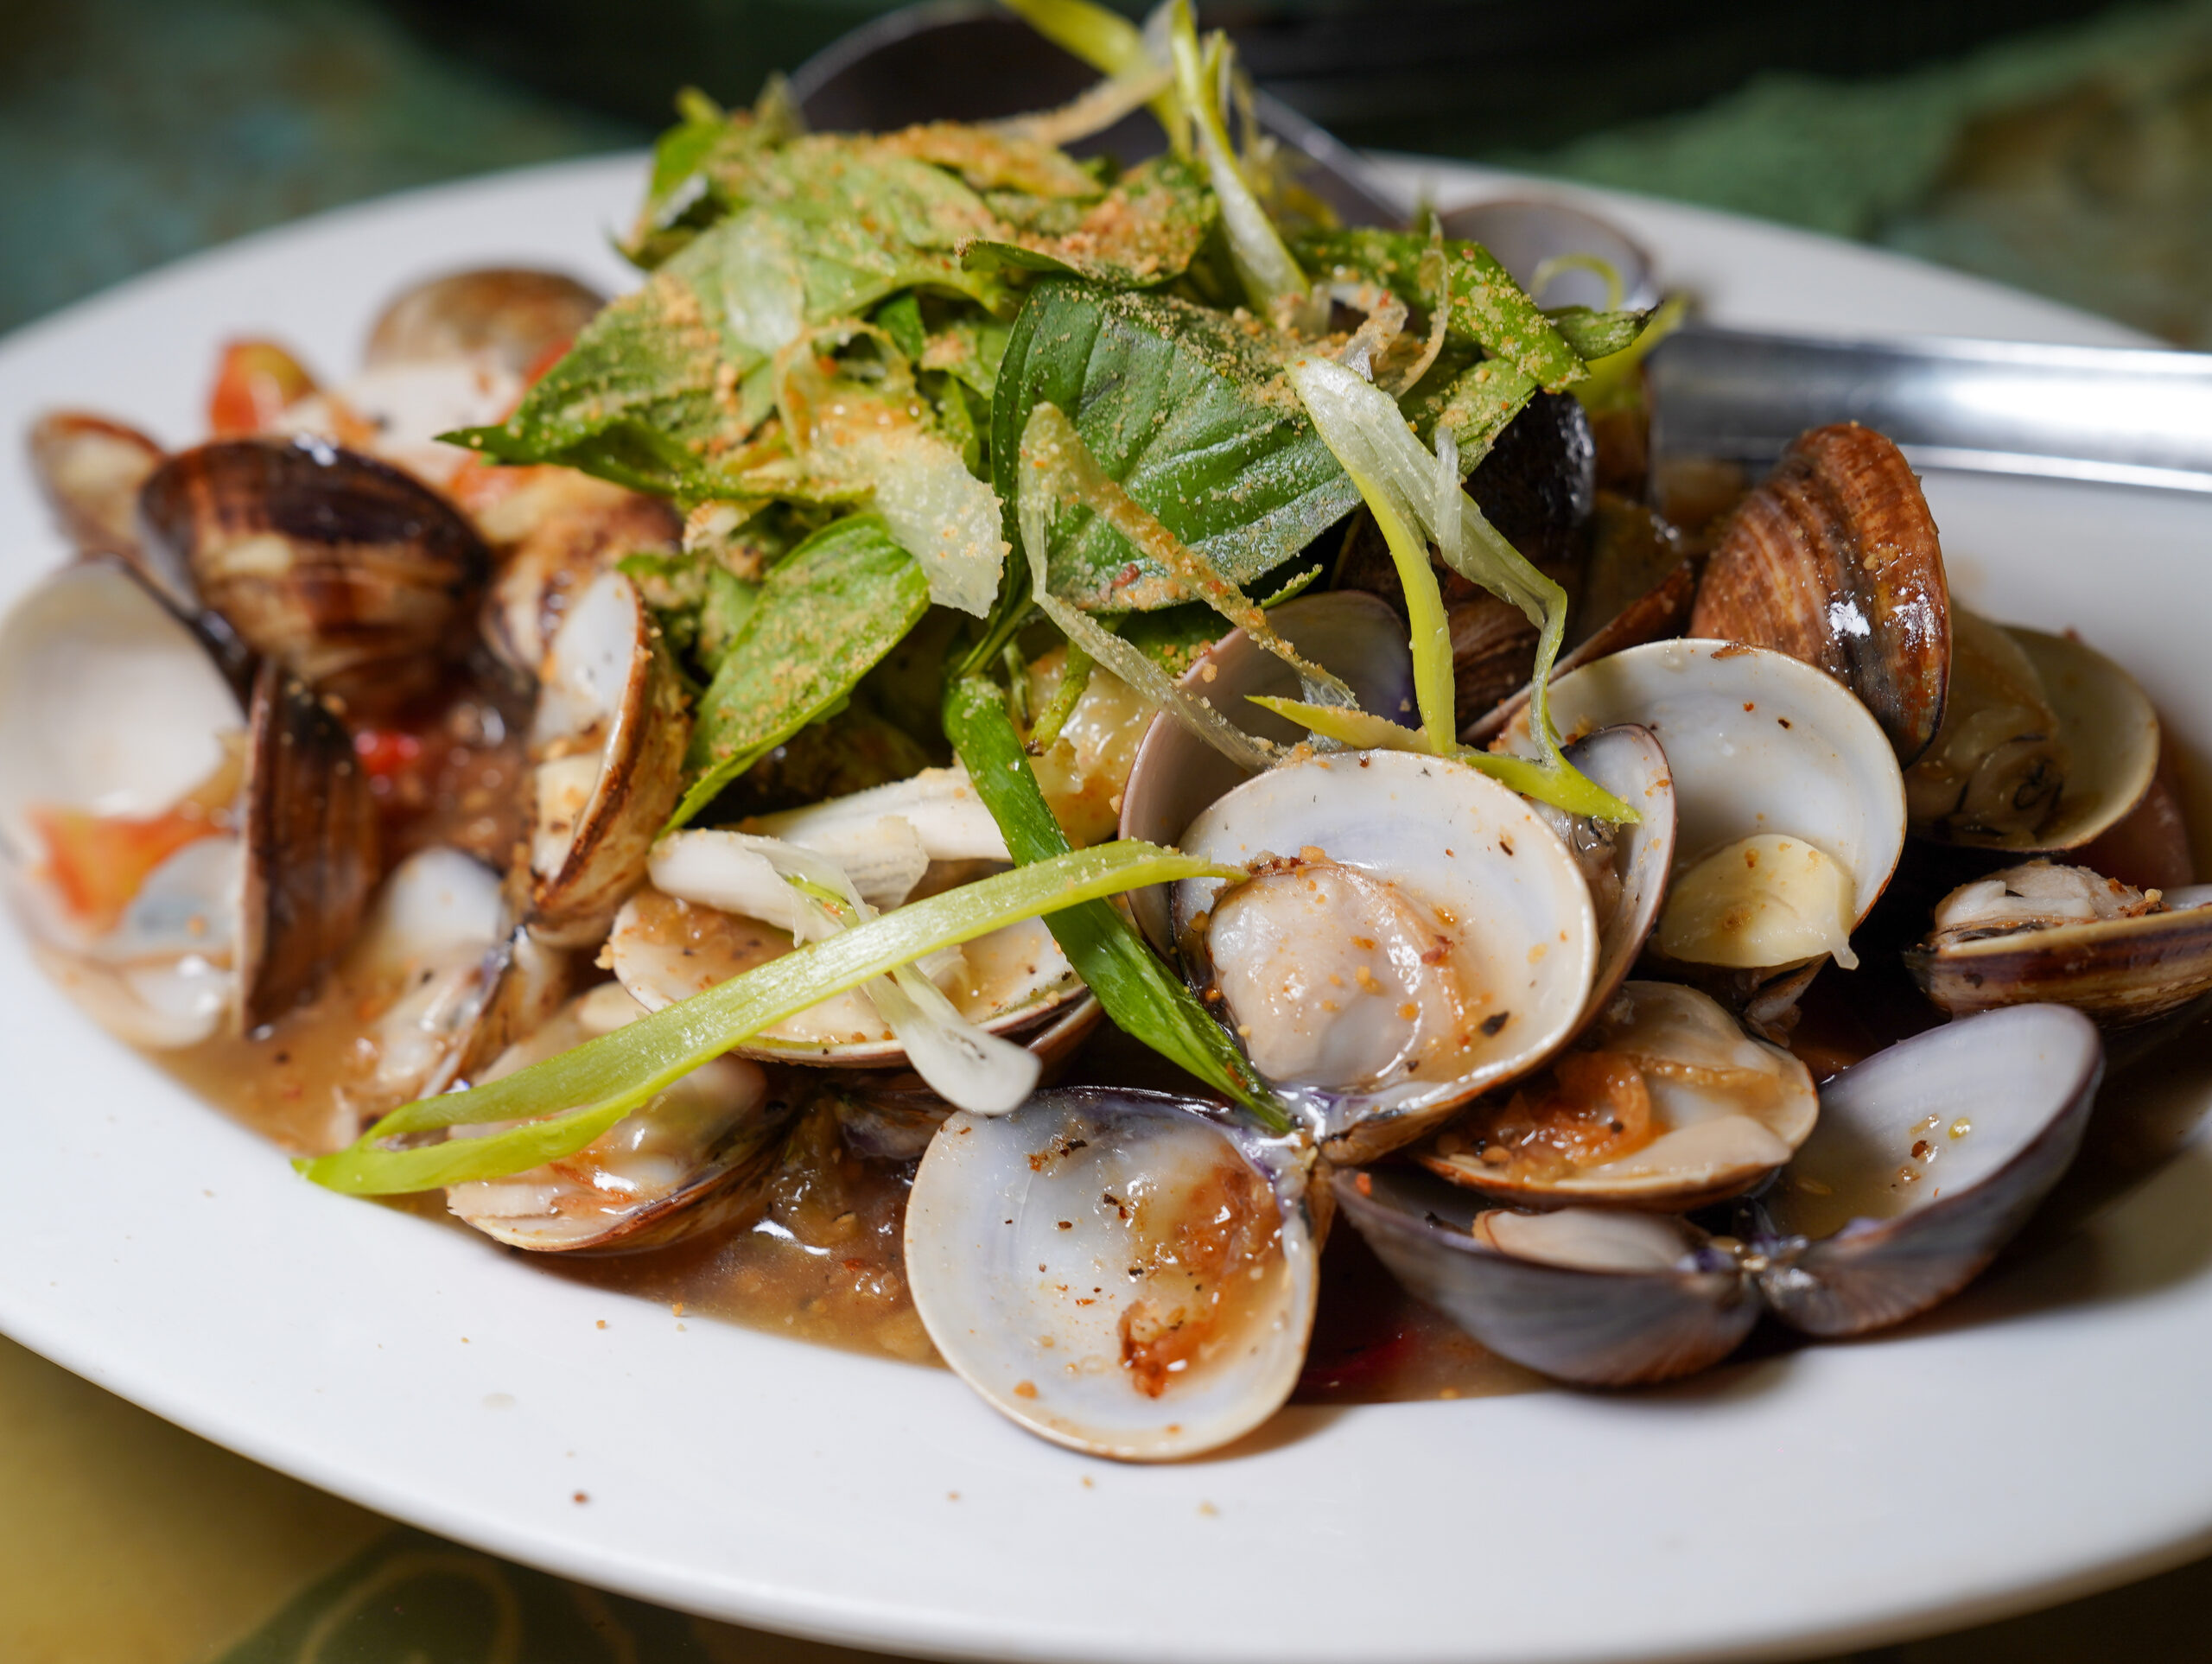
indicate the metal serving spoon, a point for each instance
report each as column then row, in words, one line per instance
column 2126, row 416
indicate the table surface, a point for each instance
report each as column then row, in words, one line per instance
column 2076, row 161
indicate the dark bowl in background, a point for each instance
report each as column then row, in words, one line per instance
column 1447, row 76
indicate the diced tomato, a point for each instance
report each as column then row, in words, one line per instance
column 386, row 752
column 99, row 861
column 255, row 382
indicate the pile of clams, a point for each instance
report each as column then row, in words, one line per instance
column 1543, row 1064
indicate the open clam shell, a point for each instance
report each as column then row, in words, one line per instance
column 553, row 531
column 1760, row 746
column 193, row 858
column 512, row 316
column 1926, row 1160
column 1124, row 1272
column 1177, row 775
column 1834, row 560
column 1596, row 1297
column 2121, row 971
column 665, row 948
column 310, row 829
column 2102, row 743
column 690, row 1160
column 89, row 469
column 348, row 571
column 606, row 744
column 467, row 982
column 112, row 714
column 1929, row 1157
column 1413, row 933
column 1665, row 1102
column 1626, row 866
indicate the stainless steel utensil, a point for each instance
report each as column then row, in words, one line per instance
column 2124, row 415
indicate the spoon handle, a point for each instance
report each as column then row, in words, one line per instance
column 2124, row 415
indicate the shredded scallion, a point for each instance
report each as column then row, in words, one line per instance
column 566, row 1101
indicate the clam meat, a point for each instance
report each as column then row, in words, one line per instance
column 1413, row 932
column 1790, row 803
column 1662, row 1102
column 2042, row 931
column 2047, row 744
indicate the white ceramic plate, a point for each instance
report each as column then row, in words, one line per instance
column 2044, row 1437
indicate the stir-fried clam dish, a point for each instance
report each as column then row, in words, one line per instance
column 1009, row 748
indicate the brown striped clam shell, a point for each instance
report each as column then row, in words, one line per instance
column 1834, row 560
column 350, row 573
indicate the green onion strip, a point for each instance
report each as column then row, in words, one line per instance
column 581, row 1093
column 1144, row 998
column 1403, row 486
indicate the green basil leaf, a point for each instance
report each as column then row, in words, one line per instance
column 707, row 145
column 1472, row 397
column 1145, row 232
column 1488, row 307
column 901, row 318
column 1189, row 410
column 1143, row 997
column 1597, row 334
column 666, row 384
column 822, row 616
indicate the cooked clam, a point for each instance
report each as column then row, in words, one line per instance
column 1595, row 1296
column 349, row 572
column 1413, row 932
column 187, row 857
column 2041, row 932
column 553, row 531
column 1925, row 1160
column 1124, row 1272
column 606, row 744
column 1833, row 560
column 2048, row 744
column 90, row 469
column 1625, row 865
column 690, row 1160
column 512, row 316
column 311, row 830
column 1662, row 1102
column 703, row 920
column 1177, row 775
column 464, row 981
column 1790, row 803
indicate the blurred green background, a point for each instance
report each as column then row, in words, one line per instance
column 2062, row 145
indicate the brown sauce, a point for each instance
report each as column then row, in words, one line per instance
column 821, row 1259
